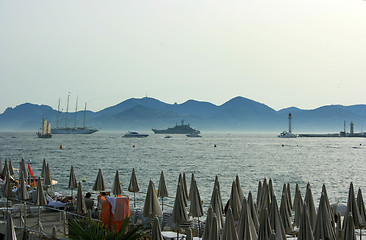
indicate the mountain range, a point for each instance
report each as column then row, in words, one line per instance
column 237, row 114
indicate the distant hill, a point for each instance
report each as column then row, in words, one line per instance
column 237, row 114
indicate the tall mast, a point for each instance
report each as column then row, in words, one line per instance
column 67, row 109
column 76, row 109
column 289, row 122
column 58, row 112
column 84, row 116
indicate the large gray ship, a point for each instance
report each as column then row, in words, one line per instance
column 178, row 129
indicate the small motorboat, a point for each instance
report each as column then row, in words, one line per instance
column 193, row 135
column 134, row 135
column 167, row 136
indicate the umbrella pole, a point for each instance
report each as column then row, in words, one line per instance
column 40, row 227
column 25, row 214
column 134, row 200
column 21, row 218
column 7, row 208
column 199, row 227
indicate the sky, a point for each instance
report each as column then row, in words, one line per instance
column 281, row 53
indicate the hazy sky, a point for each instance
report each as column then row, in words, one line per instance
column 281, row 53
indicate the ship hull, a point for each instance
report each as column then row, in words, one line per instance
column 73, row 131
column 44, row 136
column 174, row 131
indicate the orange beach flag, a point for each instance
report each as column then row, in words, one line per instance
column 31, row 173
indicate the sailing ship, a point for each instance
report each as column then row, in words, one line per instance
column 71, row 130
column 46, row 130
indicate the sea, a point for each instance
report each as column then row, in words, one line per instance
column 335, row 162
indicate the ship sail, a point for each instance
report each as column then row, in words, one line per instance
column 44, row 127
column 49, row 128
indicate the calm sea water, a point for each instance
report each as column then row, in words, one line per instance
column 333, row 161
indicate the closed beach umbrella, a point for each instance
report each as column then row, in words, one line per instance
column 361, row 206
column 297, row 206
column 10, row 230
column 196, row 209
column 7, row 188
column 288, row 203
column 117, row 186
column 72, row 182
column 206, row 232
column 133, row 186
column 23, row 169
column 215, row 231
column 265, row 229
column 289, row 195
column 99, row 184
column 217, row 185
column 229, row 231
column 216, row 198
column 151, row 207
column 72, row 179
column 265, row 200
column 43, row 171
column 310, row 205
column 47, row 177
column 162, row 189
column 184, row 190
column 240, row 190
column 253, row 211
column 179, row 213
column 270, row 188
column 185, row 186
column 275, row 219
column 6, row 168
column 191, row 186
column 353, row 208
column 305, row 228
column 156, row 231
column 11, row 169
column 40, row 195
column 234, row 201
column 323, row 228
column 259, row 193
column 246, row 228
column 40, row 201
column 195, row 199
column 219, row 216
column 23, row 195
column 349, row 228
column 216, row 206
column 80, row 202
column 327, row 203
column 285, row 213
